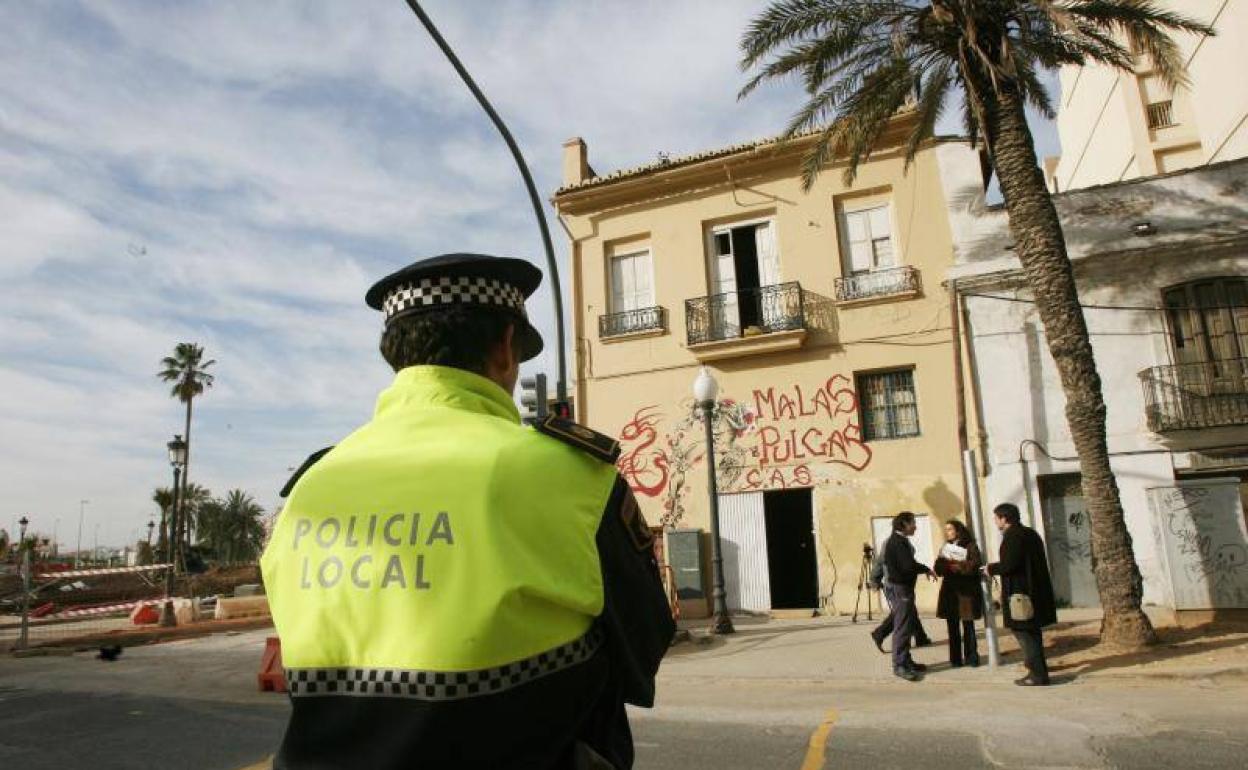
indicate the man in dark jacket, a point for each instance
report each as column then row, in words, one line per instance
column 885, row 629
column 1025, row 570
column 901, row 573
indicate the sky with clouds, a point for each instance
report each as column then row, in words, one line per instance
column 237, row 174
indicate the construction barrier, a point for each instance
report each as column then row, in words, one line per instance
column 272, row 677
column 230, row 607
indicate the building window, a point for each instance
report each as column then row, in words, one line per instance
column 1160, row 114
column 1208, row 320
column 888, row 406
column 868, row 240
column 631, row 284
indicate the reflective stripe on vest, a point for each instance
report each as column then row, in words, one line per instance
column 440, row 537
column 440, row 685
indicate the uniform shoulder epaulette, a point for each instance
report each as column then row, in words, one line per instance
column 597, row 444
column 308, row 463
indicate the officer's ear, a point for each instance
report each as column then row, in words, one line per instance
column 503, row 360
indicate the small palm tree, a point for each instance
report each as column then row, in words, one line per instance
column 192, row 505
column 233, row 527
column 188, row 371
column 863, row 61
column 163, row 497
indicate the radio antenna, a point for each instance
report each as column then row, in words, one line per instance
column 561, row 385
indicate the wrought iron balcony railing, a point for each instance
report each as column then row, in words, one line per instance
column 745, row 313
column 632, row 321
column 878, row 283
column 1192, row 396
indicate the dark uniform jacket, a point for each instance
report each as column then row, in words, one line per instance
column 558, row 721
column 1024, row 569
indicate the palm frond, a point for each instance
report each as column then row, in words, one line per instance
column 932, row 94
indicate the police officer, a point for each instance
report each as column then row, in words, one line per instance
column 453, row 589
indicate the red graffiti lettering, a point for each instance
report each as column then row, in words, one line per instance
column 643, row 467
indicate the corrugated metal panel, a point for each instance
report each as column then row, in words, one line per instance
column 743, row 532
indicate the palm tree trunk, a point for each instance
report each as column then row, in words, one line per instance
column 181, row 541
column 1041, row 248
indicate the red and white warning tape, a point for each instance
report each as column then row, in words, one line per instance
column 105, row 571
column 109, row 609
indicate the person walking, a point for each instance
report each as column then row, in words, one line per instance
column 901, row 572
column 1026, row 590
column 437, row 606
column 885, row 628
column 960, row 602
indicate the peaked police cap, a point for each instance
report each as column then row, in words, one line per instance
column 501, row 284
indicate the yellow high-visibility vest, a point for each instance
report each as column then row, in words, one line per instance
column 441, row 536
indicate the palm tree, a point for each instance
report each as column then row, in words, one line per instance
column 233, row 527
column 163, row 497
column 195, row 498
column 188, row 371
column 863, row 61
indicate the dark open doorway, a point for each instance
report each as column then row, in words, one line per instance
column 791, row 560
column 745, row 263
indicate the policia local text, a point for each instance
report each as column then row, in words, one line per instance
column 397, row 529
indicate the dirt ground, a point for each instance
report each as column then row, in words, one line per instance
column 1213, row 646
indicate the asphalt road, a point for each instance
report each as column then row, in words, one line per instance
column 800, row 697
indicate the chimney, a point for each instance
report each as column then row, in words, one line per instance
column 575, row 161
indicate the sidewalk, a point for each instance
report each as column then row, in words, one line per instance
column 833, row 649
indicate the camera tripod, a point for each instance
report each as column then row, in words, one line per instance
column 864, row 581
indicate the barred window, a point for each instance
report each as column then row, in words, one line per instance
column 888, row 406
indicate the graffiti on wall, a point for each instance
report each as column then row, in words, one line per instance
column 1203, row 531
column 768, row 442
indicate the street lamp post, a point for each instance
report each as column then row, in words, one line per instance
column 23, row 555
column 177, row 458
column 82, row 506
column 704, row 391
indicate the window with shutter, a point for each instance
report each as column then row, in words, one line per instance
column 631, row 282
column 868, row 239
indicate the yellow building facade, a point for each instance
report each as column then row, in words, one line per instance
column 824, row 320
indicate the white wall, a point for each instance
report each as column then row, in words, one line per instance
column 1202, row 231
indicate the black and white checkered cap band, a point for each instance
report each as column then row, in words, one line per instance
column 439, row 685
column 432, row 292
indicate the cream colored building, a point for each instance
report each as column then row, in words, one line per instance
column 1115, row 126
column 823, row 317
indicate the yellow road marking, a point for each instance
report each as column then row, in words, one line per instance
column 265, row 764
column 818, row 746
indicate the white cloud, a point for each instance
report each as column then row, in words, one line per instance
column 237, row 173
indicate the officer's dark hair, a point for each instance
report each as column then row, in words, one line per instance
column 902, row 520
column 461, row 336
column 1007, row 511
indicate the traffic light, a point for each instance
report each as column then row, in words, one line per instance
column 533, row 398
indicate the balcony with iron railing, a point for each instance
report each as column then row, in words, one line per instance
column 767, row 317
column 1211, row 394
column 629, row 323
column 893, row 283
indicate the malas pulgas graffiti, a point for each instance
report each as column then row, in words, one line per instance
column 769, row 442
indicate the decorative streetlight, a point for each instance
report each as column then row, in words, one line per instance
column 177, row 458
column 150, row 526
column 704, row 391
column 23, row 555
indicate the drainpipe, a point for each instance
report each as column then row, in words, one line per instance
column 959, row 384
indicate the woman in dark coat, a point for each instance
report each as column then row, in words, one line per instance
column 1024, row 569
column 961, row 601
